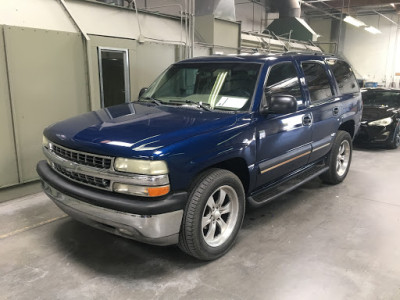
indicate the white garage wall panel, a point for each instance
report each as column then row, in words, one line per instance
column 8, row 159
column 47, row 82
column 151, row 60
column 98, row 19
column 45, row 14
column 374, row 57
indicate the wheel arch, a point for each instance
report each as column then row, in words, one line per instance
column 236, row 165
column 348, row 126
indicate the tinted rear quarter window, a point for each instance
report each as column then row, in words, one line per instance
column 317, row 81
column 344, row 76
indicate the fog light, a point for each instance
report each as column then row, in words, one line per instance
column 137, row 190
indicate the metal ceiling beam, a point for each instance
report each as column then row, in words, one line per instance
column 358, row 3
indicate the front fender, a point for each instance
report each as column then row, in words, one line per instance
column 192, row 156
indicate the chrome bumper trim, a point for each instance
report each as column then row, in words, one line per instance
column 162, row 229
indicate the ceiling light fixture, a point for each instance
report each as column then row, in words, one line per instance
column 354, row 21
column 372, row 29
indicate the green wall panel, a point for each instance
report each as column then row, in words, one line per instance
column 48, row 83
column 8, row 159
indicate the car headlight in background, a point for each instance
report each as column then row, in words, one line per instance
column 138, row 166
column 382, row 122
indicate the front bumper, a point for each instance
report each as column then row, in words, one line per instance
column 152, row 221
column 374, row 135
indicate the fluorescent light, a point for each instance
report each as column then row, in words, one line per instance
column 354, row 21
column 372, row 30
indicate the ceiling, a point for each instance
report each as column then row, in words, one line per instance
column 313, row 8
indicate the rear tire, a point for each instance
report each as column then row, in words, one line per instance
column 213, row 215
column 339, row 159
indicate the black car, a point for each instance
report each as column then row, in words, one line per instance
column 380, row 123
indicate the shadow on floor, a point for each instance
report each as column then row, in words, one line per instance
column 121, row 257
column 117, row 256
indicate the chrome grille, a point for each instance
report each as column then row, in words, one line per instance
column 82, row 178
column 82, row 158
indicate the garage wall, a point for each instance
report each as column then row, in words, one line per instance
column 375, row 57
column 45, row 14
column 47, row 83
column 8, row 158
column 104, row 20
column 150, row 61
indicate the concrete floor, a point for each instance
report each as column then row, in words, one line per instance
column 318, row 242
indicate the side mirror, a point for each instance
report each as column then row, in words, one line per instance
column 280, row 104
column 142, row 91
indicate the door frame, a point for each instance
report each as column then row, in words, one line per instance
column 126, row 72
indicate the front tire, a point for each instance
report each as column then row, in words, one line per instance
column 213, row 215
column 395, row 142
column 339, row 159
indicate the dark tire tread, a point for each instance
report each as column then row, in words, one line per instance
column 188, row 239
column 331, row 176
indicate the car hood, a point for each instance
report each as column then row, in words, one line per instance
column 134, row 129
column 373, row 113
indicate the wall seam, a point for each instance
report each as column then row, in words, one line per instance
column 12, row 109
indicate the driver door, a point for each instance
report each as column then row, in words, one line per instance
column 283, row 141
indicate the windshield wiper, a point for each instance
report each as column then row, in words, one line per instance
column 153, row 100
column 199, row 104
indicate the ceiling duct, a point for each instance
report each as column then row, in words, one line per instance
column 288, row 8
column 289, row 24
column 222, row 9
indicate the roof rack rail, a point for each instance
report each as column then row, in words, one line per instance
column 308, row 53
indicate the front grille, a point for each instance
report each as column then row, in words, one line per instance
column 82, row 158
column 82, row 178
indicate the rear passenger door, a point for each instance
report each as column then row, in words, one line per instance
column 324, row 105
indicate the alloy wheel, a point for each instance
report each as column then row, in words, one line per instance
column 343, row 158
column 220, row 216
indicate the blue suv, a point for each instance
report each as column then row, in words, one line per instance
column 208, row 137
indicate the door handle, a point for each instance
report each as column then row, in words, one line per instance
column 307, row 120
column 335, row 111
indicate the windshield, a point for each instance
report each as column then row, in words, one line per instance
column 223, row 86
column 381, row 98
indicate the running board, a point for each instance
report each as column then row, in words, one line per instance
column 272, row 192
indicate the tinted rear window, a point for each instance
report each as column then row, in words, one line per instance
column 344, row 77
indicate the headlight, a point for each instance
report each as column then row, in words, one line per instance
column 138, row 166
column 45, row 142
column 382, row 122
column 153, row 179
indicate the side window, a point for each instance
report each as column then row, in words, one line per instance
column 318, row 81
column 283, row 79
column 344, row 77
